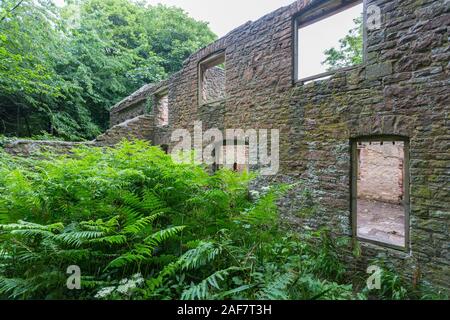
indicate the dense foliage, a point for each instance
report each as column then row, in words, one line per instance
column 140, row 226
column 61, row 69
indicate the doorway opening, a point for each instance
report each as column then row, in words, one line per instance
column 380, row 194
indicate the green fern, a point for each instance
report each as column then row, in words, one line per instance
column 117, row 212
column 204, row 289
column 140, row 224
column 98, row 246
column 278, row 288
column 203, row 254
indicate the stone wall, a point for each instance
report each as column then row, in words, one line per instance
column 141, row 127
column 213, row 85
column 131, row 107
column 143, row 101
column 400, row 89
column 162, row 110
column 28, row 148
column 380, row 171
column 134, row 111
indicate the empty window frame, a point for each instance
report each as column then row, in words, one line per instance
column 319, row 30
column 234, row 156
column 162, row 109
column 212, row 79
column 380, row 190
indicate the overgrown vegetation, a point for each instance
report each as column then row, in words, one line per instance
column 63, row 68
column 140, row 226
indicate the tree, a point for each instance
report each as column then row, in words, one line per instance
column 6, row 11
column 28, row 82
column 173, row 35
column 63, row 68
column 350, row 51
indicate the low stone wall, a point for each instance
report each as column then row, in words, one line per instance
column 27, row 148
column 141, row 127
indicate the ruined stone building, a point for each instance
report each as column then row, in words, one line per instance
column 369, row 141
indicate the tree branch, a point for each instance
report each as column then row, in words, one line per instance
column 14, row 8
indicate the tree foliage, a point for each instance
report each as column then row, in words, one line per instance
column 61, row 69
column 350, row 51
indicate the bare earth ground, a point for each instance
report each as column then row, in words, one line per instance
column 381, row 221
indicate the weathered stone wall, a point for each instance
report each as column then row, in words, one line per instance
column 132, row 106
column 409, row 98
column 27, row 148
column 141, row 127
column 145, row 100
column 380, row 171
column 400, row 89
column 162, row 110
column 133, row 111
column 213, row 85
